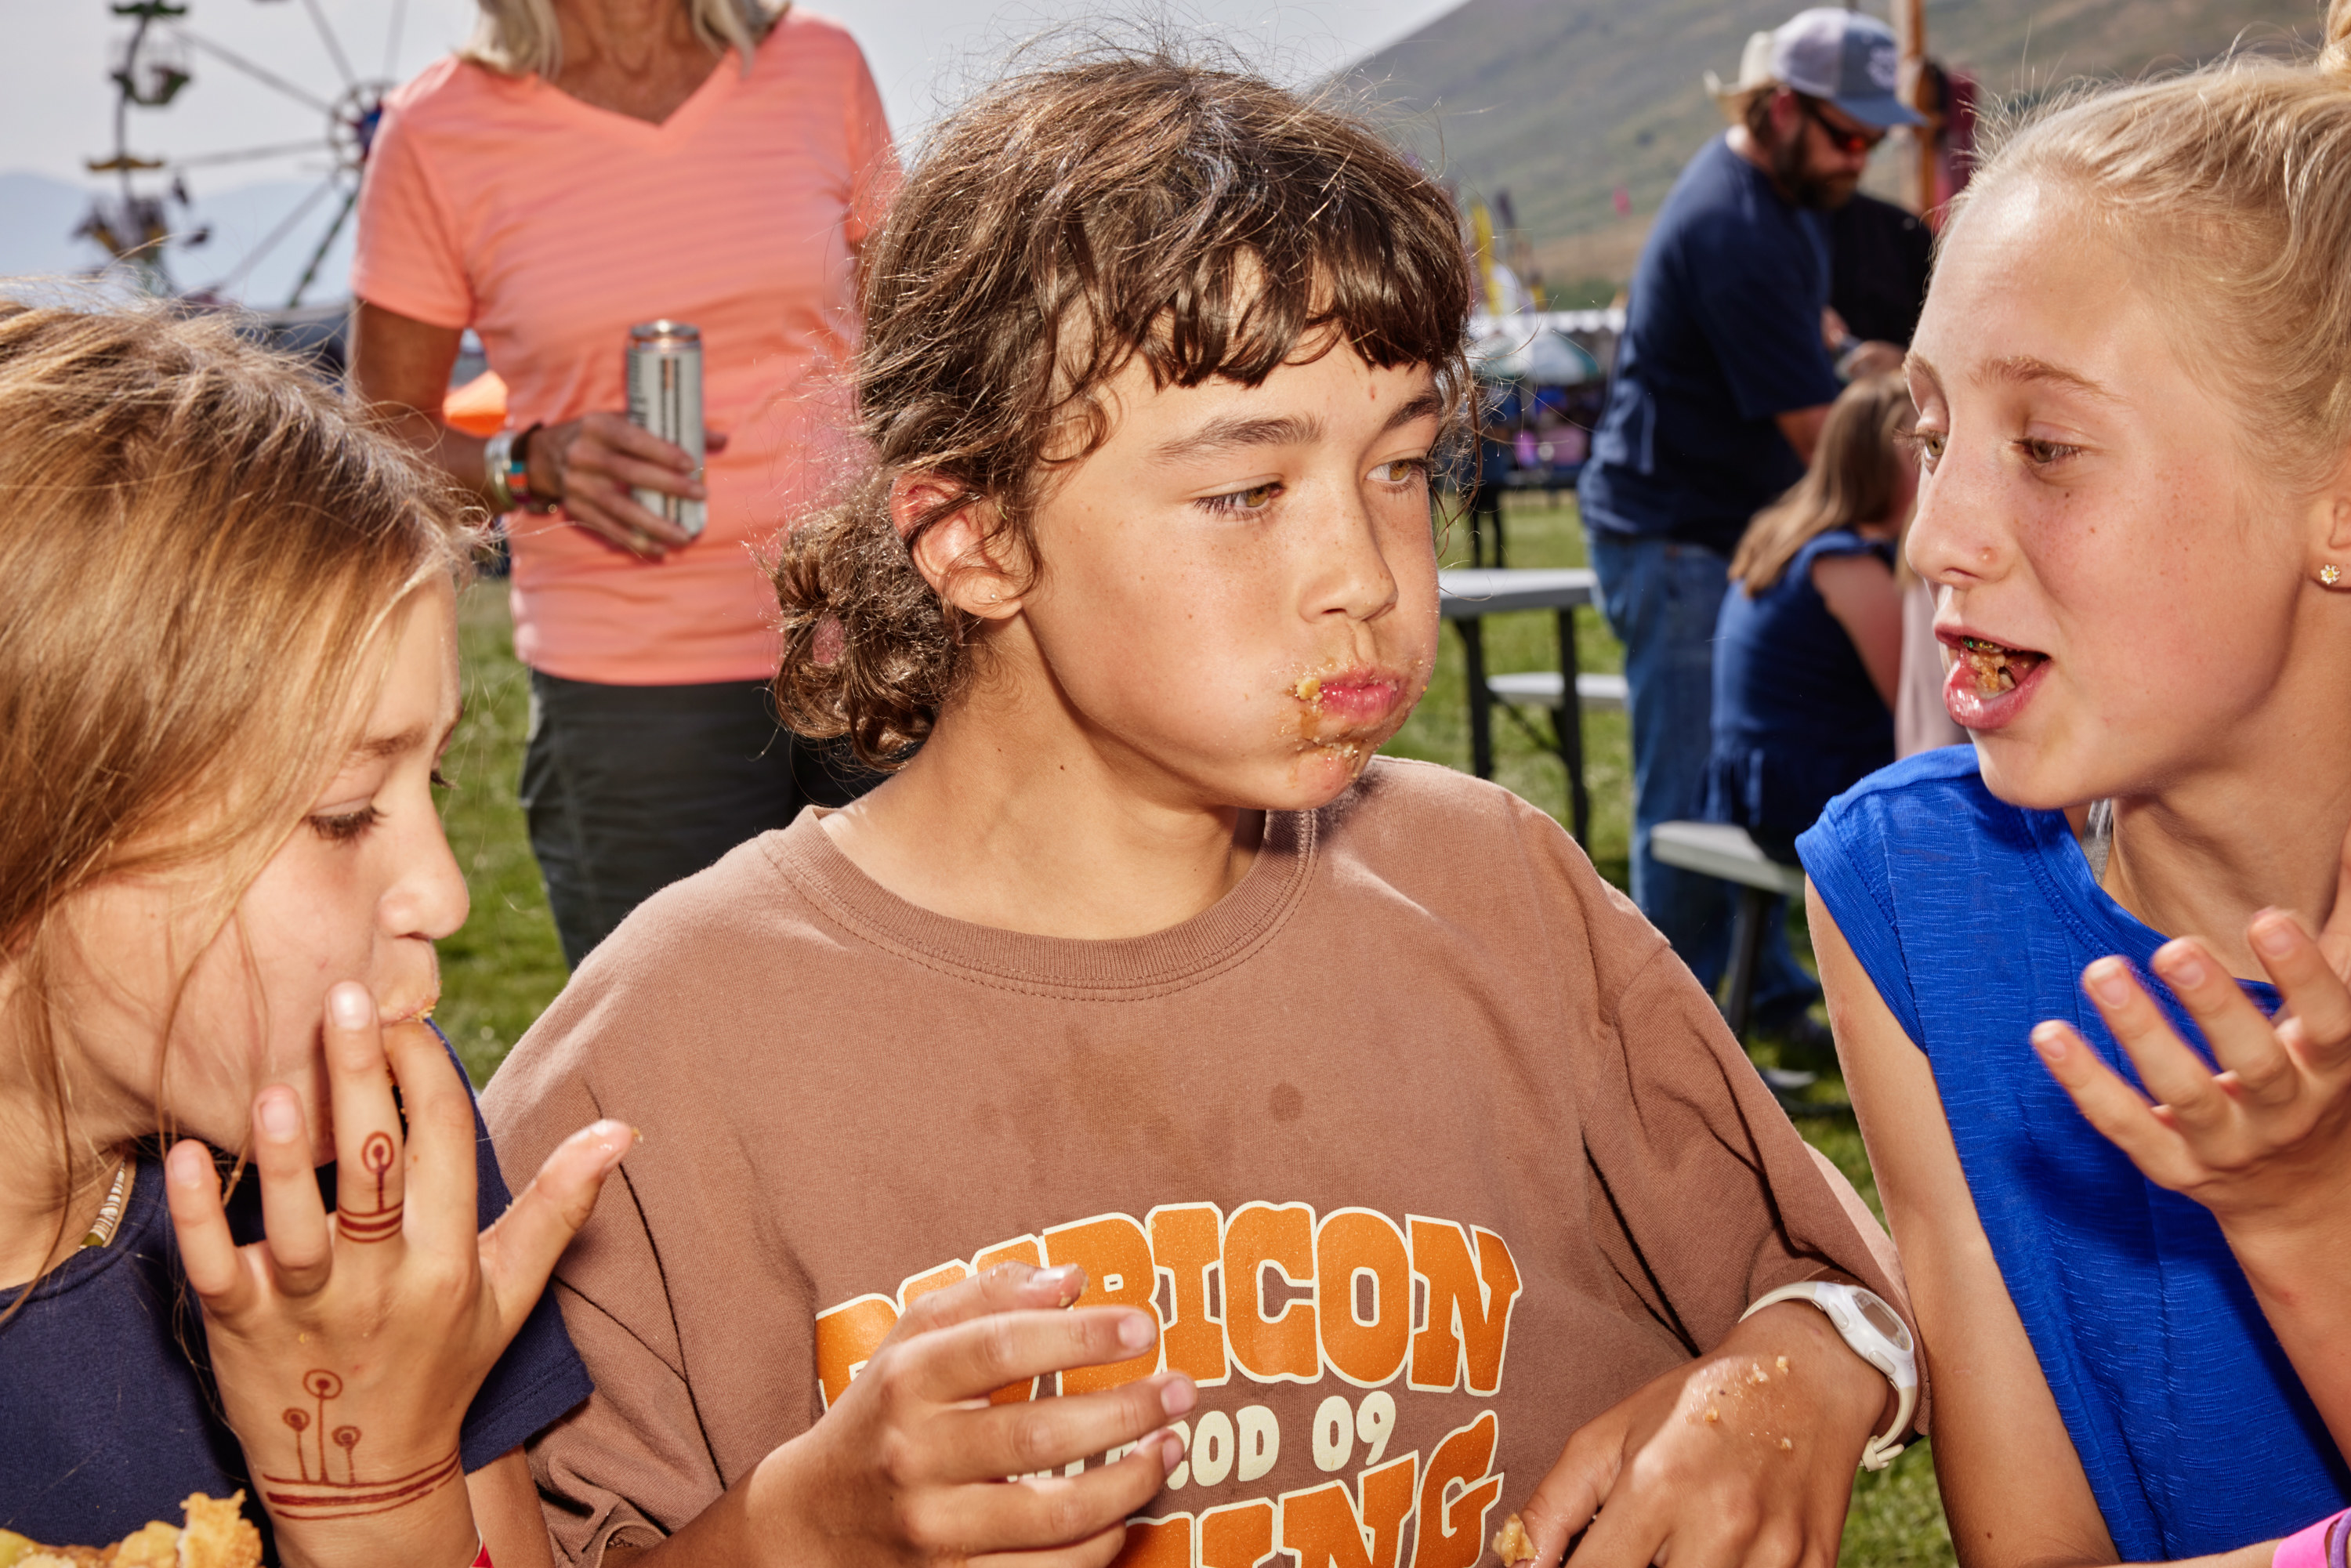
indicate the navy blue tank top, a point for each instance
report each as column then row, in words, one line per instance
column 1974, row 920
column 1796, row 718
column 107, row 1415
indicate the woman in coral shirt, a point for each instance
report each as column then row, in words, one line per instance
column 705, row 161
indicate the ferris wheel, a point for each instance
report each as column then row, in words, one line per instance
column 150, row 216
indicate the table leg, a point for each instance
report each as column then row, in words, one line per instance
column 1569, row 717
column 1746, row 952
column 1481, row 700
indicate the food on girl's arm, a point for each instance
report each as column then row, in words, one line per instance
column 217, row 1534
column 1512, row 1544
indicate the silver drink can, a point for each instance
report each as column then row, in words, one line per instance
column 664, row 376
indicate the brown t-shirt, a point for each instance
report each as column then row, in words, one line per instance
column 1424, row 1144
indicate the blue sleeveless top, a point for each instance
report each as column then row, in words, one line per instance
column 1974, row 920
column 1796, row 718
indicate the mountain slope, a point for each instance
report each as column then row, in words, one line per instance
column 1561, row 102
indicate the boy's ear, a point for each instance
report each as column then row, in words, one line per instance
column 957, row 555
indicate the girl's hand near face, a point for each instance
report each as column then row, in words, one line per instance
column 2264, row 1144
column 348, row 1346
column 1745, row 1455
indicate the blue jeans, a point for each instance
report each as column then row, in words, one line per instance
column 1661, row 598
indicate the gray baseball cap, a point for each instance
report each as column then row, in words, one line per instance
column 1843, row 57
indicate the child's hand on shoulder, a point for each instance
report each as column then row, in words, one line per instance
column 910, row 1465
column 1747, row 1454
column 2265, row 1142
column 347, row 1346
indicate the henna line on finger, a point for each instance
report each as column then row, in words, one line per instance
column 377, row 1155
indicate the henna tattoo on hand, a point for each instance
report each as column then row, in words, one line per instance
column 323, row 1496
column 381, row 1224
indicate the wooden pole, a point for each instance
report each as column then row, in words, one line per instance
column 1910, row 32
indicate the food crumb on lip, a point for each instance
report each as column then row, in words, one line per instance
column 1308, row 689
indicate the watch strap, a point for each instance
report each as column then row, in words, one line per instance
column 1881, row 1450
column 518, row 473
column 498, row 459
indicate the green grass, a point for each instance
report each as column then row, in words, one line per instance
column 500, row 972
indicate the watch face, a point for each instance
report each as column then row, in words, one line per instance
column 1879, row 1316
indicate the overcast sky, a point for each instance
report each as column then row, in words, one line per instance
column 57, row 105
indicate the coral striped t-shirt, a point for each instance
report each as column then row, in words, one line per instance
column 551, row 226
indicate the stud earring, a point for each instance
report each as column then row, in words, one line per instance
column 2330, row 574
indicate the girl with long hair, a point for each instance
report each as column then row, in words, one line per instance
column 227, row 674
column 2087, row 975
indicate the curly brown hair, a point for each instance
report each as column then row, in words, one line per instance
column 1062, row 223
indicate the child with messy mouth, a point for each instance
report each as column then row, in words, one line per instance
column 2087, row 974
column 1244, row 1143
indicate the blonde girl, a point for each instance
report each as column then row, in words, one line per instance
column 227, row 671
column 2129, row 1254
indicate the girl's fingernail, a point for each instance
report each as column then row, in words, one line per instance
column 2049, row 1039
column 1171, row 1452
column 2184, row 967
column 1065, row 1282
column 1135, row 1330
column 2273, row 933
column 2106, row 981
column 1179, row 1396
column 280, row 1117
column 350, row 1005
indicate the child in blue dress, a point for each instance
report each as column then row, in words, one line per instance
column 1807, row 654
column 227, row 673
column 2134, row 385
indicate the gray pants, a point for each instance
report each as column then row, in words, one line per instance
column 629, row 788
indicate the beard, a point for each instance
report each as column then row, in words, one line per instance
column 1805, row 187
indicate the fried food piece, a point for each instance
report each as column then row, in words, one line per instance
column 157, row 1546
column 216, row 1535
column 1512, row 1544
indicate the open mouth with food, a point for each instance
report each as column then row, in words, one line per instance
column 1989, row 681
column 1996, row 667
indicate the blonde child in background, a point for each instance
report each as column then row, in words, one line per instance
column 227, row 673
column 1401, row 1177
column 2134, row 387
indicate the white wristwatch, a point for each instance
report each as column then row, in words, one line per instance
column 1877, row 1335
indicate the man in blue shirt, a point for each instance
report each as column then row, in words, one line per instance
column 1722, row 380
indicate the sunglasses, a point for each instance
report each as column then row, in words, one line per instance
column 1844, row 141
